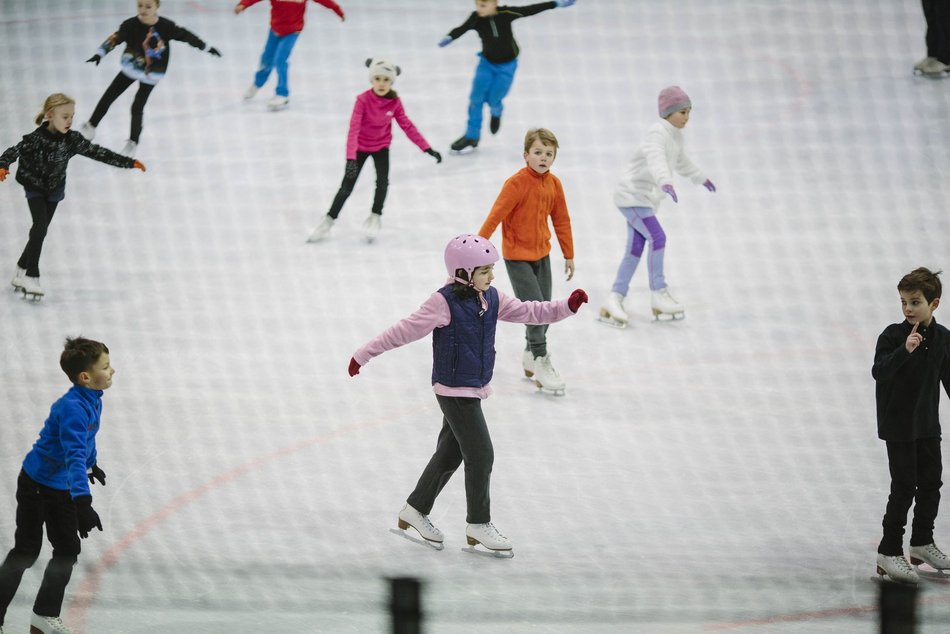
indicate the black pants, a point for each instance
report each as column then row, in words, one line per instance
column 42, row 211
column 118, row 86
column 464, row 437
column 381, row 161
column 937, row 14
column 916, row 469
column 38, row 505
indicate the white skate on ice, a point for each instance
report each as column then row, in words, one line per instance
column 931, row 67
column 47, row 625
column 488, row 536
column 278, row 103
column 31, row 288
column 527, row 363
column 546, row 377
column 663, row 303
column 933, row 557
column 371, row 227
column 410, row 517
column 322, row 230
column 896, row 568
column 250, row 92
column 88, row 130
column 129, row 149
column 17, row 280
column 612, row 312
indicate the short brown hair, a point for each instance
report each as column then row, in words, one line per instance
column 79, row 355
column 540, row 134
column 923, row 280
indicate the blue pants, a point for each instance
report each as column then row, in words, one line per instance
column 642, row 227
column 276, row 55
column 491, row 84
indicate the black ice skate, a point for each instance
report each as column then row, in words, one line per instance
column 494, row 125
column 464, row 143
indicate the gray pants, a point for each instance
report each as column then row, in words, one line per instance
column 464, row 437
column 531, row 281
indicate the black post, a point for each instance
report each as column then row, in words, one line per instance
column 405, row 606
column 898, row 605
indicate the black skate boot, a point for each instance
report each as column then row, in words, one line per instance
column 494, row 125
column 464, row 142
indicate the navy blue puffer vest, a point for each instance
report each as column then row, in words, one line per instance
column 463, row 352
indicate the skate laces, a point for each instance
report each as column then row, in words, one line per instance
column 545, row 363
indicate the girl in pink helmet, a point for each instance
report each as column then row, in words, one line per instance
column 462, row 316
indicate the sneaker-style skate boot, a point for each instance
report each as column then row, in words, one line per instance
column 527, row 363
column 88, row 130
column 371, row 227
column 546, row 377
column 409, row 516
column 322, row 230
column 47, row 625
column 612, row 312
column 278, row 102
column 489, row 537
column 129, row 149
column 663, row 303
column 250, row 92
column 17, row 280
column 31, row 287
column 930, row 555
column 896, row 568
column 462, row 143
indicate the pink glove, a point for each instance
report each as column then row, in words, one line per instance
column 354, row 368
column 672, row 192
column 709, row 185
column 577, row 298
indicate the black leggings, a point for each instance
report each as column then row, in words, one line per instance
column 42, row 211
column 118, row 86
column 937, row 14
column 381, row 161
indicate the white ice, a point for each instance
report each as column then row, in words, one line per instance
column 719, row 472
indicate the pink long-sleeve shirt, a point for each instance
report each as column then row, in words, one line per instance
column 435, row 313
column 371, row 125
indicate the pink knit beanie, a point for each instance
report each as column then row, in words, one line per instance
column 673, row 99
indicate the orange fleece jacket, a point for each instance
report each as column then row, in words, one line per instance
column 523, row 206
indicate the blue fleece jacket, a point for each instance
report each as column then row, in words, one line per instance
column 66, row 447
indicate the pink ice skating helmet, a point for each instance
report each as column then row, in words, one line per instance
column 468, row 252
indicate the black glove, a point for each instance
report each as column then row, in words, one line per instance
column 95, row 59
column 95, row 473
column 435, row 155
column 86, row 516
column 214, row 51
column 351, row 171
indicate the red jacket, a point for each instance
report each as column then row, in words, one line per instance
column 286, row 16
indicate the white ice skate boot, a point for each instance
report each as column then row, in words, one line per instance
column 31, row 287
column 129, row 149
column 489, row 537
column 47, row 625
column 409, row 516
column 896, row 568
column 88, row 130
column 371, row 227
column 664, row 304
column 612, row 312
column 17, row 280
column 546, row 377
column 527, row 362
column 250, row 92
column 930, row 66
column 322, row 230
column 278, row 103
column 930, row 555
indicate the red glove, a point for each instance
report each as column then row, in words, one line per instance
column 354, row 368
column 577, row 298
column 3, row 174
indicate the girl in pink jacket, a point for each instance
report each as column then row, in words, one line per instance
column 462, row 316
column 370, row 135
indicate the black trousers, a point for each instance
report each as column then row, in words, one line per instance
column 118, row 86
column 937, row 14
column 464, row 438
column 38, row 505
column 42, row 211
column 381, row 161
column 916, row 469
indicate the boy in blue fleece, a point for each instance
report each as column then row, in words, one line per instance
column 52, row 489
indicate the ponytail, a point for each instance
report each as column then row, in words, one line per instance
column 54, row 100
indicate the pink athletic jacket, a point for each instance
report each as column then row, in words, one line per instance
column 371, row 126
column 435, row 313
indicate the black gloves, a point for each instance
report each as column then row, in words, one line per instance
column 351, row 171
column 95, row 59
column 435, row 155
column 86, row 516
column 214, row 51
column 95, row 473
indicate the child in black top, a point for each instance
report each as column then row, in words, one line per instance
column 147, row 40
column 499, row 61
column 911, row 359
column 44, row 154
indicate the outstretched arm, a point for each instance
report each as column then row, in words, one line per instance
column 333, row 6
column 434, row 313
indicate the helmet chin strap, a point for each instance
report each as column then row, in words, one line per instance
column 481, row 295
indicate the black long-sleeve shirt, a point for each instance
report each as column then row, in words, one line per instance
column 147, row 47
column 498, row 41
column 908, row 383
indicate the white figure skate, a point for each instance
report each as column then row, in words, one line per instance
column 527, row 363
column 47, row 625
column 88, row 130
column 410, row 517
column 278, row 103
column 896, row 569
column 31, row 288
column 489, row 537
column 17, row 280
column 612, row 312
column 931, row 67
column 663, row 303
column 250, row 92
column 371, row 227
column 322, row 230
column 933, row 557
column 129, row 149
column 546, row 377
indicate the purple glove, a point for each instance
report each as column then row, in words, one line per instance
column 709, row 185
column 672, row 192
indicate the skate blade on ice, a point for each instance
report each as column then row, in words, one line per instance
column 883, row 577
column 495, row 554
column 659, row 315
column 417, row 540
column 33, row 297
column 932, row 574
column 556, row 391
column 613, row 323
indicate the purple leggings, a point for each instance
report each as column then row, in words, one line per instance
column 642, row 228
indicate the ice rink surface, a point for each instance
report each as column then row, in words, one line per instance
column 717, row 473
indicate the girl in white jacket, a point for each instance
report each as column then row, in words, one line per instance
column 647, row 178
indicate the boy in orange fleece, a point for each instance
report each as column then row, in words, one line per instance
column 522, row 208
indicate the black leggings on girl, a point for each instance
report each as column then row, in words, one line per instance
column 118, row 86
column 42, row 211
column 381, row 161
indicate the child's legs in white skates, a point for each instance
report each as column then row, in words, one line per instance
column 531, row 281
